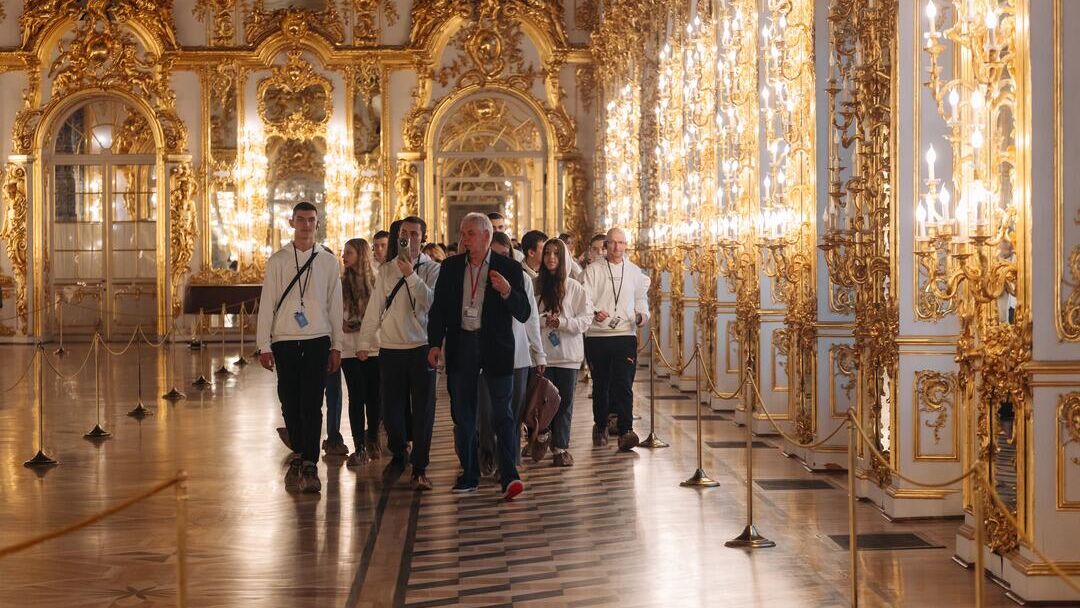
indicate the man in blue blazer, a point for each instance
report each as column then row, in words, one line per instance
column 477, row 297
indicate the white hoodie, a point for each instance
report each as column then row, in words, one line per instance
column 604, row 280
column 322, row 298
column 404, row 325
column 575, row 318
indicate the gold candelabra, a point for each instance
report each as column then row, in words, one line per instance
column 969, row 245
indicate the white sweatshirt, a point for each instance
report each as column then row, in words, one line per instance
column 404, row 325
column 528, row 348
column 575, row 318
column 599, row 278
column 322, row 299
column 350, row 341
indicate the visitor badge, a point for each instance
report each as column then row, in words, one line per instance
column 472, row 313
column 554, row 339
column 301, row 319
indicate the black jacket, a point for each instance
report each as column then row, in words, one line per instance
column 496, row 319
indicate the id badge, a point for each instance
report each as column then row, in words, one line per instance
column 301, row 319
column 554, row 339
column 614, row 322
column 472, row 313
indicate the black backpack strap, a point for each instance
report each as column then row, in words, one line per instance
column 295, row 280
column 397, row 288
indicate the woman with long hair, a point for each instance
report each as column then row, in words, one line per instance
column 565, row 313
column 361, row 377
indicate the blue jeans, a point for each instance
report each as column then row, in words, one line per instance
column 565, row 380
column 333, row 408
column 464, row 407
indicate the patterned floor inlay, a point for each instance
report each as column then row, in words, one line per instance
column 794, row 484
column 884, row 542
column 613, row 530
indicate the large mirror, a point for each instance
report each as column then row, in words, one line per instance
column 367, row 113
column 297, row 172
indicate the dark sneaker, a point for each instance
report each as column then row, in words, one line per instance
column 514, row 488
column 309, row 479
column 628, row 441
column 464, row 487
column 420, row 482
column 283, row 435
column 613, row 425
column 395, row 467
column 335, row 448
column 599, row 436
column 357, row 458
column 563, row 459
column 374, row 450
column 292, row 475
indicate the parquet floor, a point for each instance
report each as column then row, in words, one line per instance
column 614, row 530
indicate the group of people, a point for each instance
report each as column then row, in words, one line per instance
column 397, row 309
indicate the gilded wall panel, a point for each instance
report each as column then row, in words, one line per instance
column 937, row 430
column 1068, row 451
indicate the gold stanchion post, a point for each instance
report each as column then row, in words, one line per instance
column 196, row 339
column 41, row 459
column 699, row 479
column 201, row 381
column 97, row 432
column 750, row 538
column 980, row 539
column 241, row 361
column 181, row 540
column 652, row 441
column 140, row 411
column 174, row 393
column 224, row 369
column 853, row 539
column 60, row 351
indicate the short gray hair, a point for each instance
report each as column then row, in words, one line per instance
column 478, row 219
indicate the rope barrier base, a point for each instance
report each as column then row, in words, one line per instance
column 98, row 433
column 195, row 345
column 174, row 394
column 700, row 479
column 653, row 442
column 750, row 539
column 222, row 371
column 241, row 362
column 41, row 459
column 201, row 382
column 140, row 411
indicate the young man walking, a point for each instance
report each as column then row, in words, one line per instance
column 299, row 336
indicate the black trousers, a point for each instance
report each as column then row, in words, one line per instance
column 301, row 380
column 362, row 380
column 408, row 398
column 613, row 361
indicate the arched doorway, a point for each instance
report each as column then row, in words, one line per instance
column 100, row 184
column 491, row 154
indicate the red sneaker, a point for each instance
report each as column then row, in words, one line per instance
column 513, row 489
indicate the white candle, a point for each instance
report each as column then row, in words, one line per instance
column 931, row 158
column 931, row 16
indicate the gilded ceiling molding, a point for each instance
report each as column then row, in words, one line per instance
column 260, row 23
column 431, row 17
column 222, row 26
column 182, row 229
column 13, row 233
column 41, row 21
column 295, row 102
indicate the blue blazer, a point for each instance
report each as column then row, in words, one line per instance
column 496, row 318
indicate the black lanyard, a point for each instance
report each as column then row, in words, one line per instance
column 622, row 279
column 303, row 283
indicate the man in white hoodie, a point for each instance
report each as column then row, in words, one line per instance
column 299, row 334
column 396, row 320
column 619, row 293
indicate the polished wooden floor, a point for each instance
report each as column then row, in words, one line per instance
column 615, row 530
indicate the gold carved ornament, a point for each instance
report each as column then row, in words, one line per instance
column 429, row 16
column 222, row 28
column 1070, row 308
column 155, row 16
column 574, row 206
column 365, row 14
column 1068, row 415
column 295, row 101
column 13, row 233
column 935, row 394
column 103, row 55
column 295, row 23
column 407, row 187
column 182, row 228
